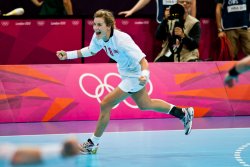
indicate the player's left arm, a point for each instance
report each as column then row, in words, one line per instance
column 144, row 71
column 133, row 50
column 144, row 64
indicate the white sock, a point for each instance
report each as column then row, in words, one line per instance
column 95, row 139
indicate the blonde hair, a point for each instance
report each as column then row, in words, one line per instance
column 107, row 15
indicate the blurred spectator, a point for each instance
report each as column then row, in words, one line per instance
column 180, row 33
column 25, row 155
column 54, row 7
column 31, row 10
column 161, row 5
column 8, row 6
column 240, row 67
column 232, row 18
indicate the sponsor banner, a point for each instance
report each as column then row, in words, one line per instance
column 39, row 93
column 36, row 41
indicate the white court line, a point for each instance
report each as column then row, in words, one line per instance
column 237, row 154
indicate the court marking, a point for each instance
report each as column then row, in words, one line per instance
column 133, row 131
column 206, row 147
column 239, row 151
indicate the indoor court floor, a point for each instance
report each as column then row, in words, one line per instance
column 213, row 142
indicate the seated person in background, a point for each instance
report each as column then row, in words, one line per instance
column 54, row 7
column 24, row 155
column 180, row 33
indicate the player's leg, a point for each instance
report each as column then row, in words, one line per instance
column 144, row 102
column 109, row 101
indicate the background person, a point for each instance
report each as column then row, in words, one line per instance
column 27, row 154
column 232, row 18
column 54, row 7
column 180, row 33
column 161, row 6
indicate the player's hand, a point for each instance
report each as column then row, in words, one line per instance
column 62, row 55
column 143, row 80
column 126, row 13
column 230, row 81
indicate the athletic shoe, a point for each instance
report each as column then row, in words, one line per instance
column 188, row 119
column 88, row 147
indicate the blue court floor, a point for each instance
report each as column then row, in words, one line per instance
column 228, row 147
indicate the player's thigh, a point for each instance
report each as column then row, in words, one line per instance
column 114, row 97
column 141, row 98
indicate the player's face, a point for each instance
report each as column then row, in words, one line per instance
column 102, row 31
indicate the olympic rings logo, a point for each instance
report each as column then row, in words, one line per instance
column 75, row 22
column 99, row 90
column 40, row 23
column 5, row 23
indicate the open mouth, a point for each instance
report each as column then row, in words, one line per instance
column 98, row 33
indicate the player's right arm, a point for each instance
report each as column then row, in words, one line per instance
column 84, row 52
column 87, row 51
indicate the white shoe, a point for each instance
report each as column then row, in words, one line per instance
column 188, row 119
column 88, row 147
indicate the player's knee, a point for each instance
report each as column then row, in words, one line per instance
column 105, row 105
column 143, row 107
column 104, row 114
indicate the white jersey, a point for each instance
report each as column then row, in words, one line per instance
column 121, row 48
